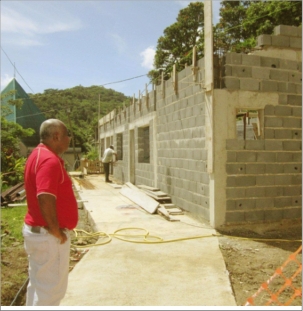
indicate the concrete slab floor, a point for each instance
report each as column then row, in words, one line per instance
column 185, row 269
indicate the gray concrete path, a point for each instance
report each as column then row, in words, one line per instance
column 186, row 272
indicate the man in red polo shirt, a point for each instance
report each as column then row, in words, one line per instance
column 52, row 212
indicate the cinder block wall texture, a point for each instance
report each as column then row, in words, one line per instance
column 264, row 177
column 254, row 180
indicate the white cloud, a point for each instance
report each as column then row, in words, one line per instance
column 119, row 42
column 148, row 57
column 14, row 22
column 5, row 80
column 28, row 28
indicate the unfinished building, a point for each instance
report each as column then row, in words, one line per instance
column 227, row 151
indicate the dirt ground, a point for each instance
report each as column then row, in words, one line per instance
column 252, row 255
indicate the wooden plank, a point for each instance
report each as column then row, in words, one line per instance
column 140, row 198
column 148, row 188
column 156, row 197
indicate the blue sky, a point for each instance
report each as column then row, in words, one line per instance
column 63, row 44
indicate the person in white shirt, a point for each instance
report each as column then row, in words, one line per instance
column 107, row 159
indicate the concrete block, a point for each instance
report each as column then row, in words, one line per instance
column 227, row 71
column 245, row 156
column 284, row 157
column 231, row 83
column 269, row 110
column 281, row 180
column 232, row 193
column 280, row 41
column 241, row 71
column 235, row 217
column 296, row 179
column 286, row 87
column 279, row 75
column 296, row 111
column 245, row 181
column 293, row 168
column 245, row 204
column 298, row 88
column 255, row 192
column 273, row 144
column 264, row 203
column 295, row 77
column 296, row 156
column 294, row 100
column 274, row 168
column 273, row 192
column 283, row 202
column 288, row 64
column 231, row 181
column 291, row 122
column 260, row 73
column 231, row 156
column 251, row 60
column 283, row 99
column 297, row 201
column 282, row 134
column 254, row 144
column 292, row 145
column 292, row 190
column 265, row 180
column 300, row 66
column 264, row 40
column 268, row 86
column 296, row 134
column 273, row 215
column 254, row 216
column 273, row 122
column 248, row 84
column 282, row 110
column 285, row 30
column 292, row 213
column 235, row 144
column 266, row 157
column 255, row 168
column 235, row 169
column 269, row 133
column 234, row 58
column 270, row 62
column 295, row 43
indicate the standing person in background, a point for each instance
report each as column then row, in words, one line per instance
column 107, row 159
column 52, row 211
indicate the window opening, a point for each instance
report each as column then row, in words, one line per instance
column 249, row 124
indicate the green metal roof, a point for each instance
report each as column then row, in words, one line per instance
column 28, row 116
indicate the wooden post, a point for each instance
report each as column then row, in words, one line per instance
column 174, row 79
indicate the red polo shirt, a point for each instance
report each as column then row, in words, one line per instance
column 45, row 173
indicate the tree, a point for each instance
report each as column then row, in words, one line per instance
column 175, row 46
column 242, row 22
column 78, row 108
column 12, row 163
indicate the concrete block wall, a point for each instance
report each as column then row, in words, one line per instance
column 264, row 177
column 182, row 154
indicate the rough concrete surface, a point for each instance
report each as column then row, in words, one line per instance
column 185, row 269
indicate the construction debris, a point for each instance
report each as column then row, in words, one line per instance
column 13, row 194
column 152, row 199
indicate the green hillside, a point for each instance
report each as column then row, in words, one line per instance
column 79, row 108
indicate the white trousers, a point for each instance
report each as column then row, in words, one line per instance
column 48, row 267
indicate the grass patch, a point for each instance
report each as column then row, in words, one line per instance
column 12, row 219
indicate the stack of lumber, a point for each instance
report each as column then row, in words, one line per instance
column 152, row 200
column 156, row 194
